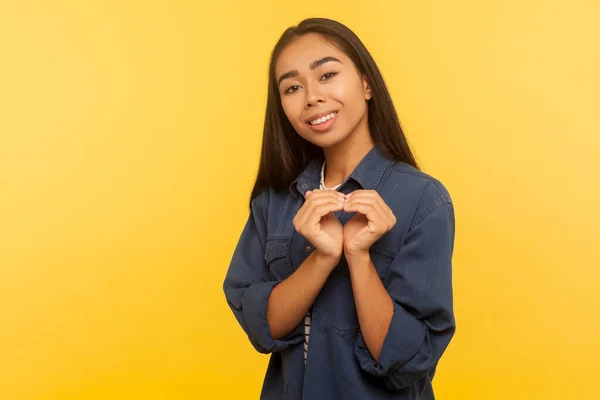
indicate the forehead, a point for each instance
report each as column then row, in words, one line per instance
column 304, row 50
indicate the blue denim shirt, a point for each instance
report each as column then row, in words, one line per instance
column 413, row 260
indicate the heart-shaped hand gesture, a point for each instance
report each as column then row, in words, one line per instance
column 372, row 220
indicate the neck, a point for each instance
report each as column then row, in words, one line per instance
column 343, row 157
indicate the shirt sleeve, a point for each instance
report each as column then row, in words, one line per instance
column 247, row 285
column 419, row 282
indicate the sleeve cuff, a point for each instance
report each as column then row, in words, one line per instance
column 404, row 339
column 254, row 308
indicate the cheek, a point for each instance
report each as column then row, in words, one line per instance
column 288, row 109
column 292, row 111
column 340, row 91
column 353, row 95
column 348, row 92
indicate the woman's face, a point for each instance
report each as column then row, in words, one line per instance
column 322, row 93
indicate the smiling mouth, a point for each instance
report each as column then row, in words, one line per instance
column 324, row 123
column 324, row 119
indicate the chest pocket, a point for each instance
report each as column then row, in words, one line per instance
column 382, row 259
column 277, row 256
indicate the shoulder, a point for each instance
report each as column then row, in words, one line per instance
column 412, row 191
column 269, row 201
column 417, row 181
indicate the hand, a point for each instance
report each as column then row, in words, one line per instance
column 372, row 220
column 316, row 222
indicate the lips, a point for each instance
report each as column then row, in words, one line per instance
column 325, row 126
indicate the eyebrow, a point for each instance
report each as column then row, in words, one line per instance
column 313, row 65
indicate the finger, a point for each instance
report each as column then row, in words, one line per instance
column 367, row 201
column 375, row 221
column 319, row 197
column 313, row 198
column 308, row 209
column 371, row 212
column 378, row 202
column 364, row 194
column 372, row 201
column 314, row 218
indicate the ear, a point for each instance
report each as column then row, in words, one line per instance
column 366, row 89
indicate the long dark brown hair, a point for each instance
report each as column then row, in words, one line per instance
column 284, row 153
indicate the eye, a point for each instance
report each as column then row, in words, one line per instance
column 289, row 90
column 329, row 75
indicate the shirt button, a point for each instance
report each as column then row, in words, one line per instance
column 304, row 186
column 308, row 248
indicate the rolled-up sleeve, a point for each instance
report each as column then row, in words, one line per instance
column 419, row 282
column 247, row 285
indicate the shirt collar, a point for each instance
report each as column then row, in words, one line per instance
column 367, row 173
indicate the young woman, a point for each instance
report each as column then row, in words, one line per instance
column 343, row 269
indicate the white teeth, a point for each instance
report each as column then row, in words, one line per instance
column 321, row 120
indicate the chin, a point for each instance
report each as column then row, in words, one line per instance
column 329, row 141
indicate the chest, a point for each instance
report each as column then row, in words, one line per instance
column 287, row 249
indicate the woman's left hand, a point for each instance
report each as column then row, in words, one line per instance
column 372, row 220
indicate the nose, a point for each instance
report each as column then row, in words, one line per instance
column 313, row 95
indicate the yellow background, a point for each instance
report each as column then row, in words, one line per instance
column 129, row 140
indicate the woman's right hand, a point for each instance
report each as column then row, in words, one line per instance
column 317, row 223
